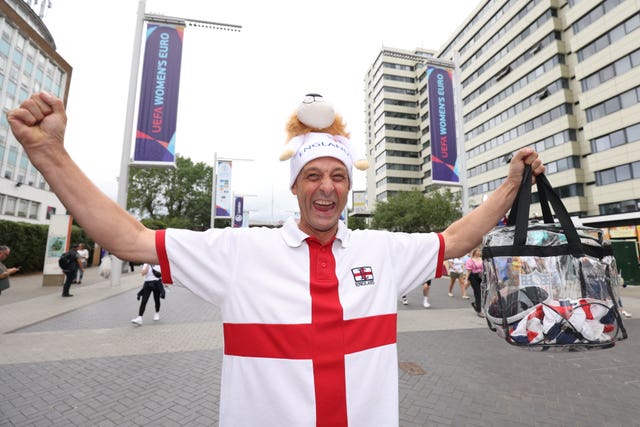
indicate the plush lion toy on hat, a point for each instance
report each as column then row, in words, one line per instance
column 314, row 115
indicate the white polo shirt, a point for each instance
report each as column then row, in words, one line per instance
column 299, row 350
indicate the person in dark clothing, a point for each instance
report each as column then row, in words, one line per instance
column 474, row 268
column 71, row 271
column 4, row 271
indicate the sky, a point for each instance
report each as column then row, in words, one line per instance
column 237, row 89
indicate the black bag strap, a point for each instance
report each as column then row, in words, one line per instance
column 544, row 205
column 521, row 198
column 547, row 197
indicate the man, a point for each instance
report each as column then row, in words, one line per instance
column 309, row 310
column 71, row 270
column 5, row 272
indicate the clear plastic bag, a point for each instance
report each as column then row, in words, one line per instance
column 547, row 284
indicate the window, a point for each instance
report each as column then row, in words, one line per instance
column 22, row 208
column 623, row 65
column 34, row 210
column 618, row 174
column 502, row 73
column 612, row 105
column 620, row 207
column 615, row 139
column 10, row 205
column 628, row 99
column 12, row 159
column 623, row 172
column 606, row 177
column 633, row 133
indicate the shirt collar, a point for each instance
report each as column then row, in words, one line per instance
column 294, row 237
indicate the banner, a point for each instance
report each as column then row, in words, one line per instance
column 444, row 153
column 158, row 108
column 223, row 188
column 622, row 231
column 238, row 212
column 58, row 242
column 359, row 201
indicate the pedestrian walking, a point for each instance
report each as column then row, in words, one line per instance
column 623, row 312
column 456, row 272
column 426, row 287
column 474, row 270
column 152, row 285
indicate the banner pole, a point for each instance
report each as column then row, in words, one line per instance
column 123, row 178
column 214, row 184
column 460, row 146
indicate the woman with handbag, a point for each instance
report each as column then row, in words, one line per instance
column 473, row 266
column 152, row 283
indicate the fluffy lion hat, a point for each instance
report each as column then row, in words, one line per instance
column 315, row 130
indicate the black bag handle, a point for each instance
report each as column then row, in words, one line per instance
column 525, row 188
column 544, row 204
column 519, row 215
column 513, row 213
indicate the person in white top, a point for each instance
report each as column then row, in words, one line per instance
column 455, row 268
column 83, row 254
column 309, row 310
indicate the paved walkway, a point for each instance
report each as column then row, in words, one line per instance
column 80, row 362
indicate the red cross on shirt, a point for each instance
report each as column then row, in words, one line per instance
column 325, row 341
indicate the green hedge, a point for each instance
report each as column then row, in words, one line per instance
column 28, row 243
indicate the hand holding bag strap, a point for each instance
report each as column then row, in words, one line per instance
column 521, row 206
column 547, row 196
column 525, row 191
column 521, row 196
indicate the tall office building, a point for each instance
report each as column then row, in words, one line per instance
column 560, row 76
column 29, row 63
column 397, row 139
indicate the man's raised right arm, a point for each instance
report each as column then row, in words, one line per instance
column 39, row 125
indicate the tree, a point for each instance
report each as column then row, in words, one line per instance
column 178, row 197
column 412, row 212
column 145, row 190
column 188, row 195
column 357, row 223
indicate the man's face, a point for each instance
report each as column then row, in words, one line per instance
column 4, row 254
column 322, row 187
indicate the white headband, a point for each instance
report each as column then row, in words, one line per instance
column 314, row 145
